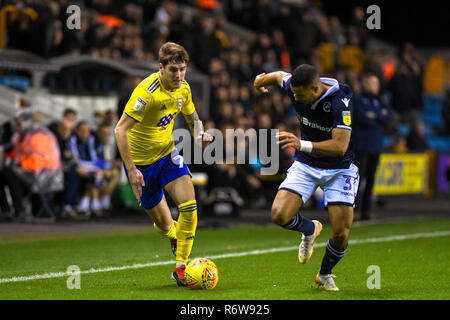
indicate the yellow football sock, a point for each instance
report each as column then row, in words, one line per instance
column 171, row 233
column 186, row 226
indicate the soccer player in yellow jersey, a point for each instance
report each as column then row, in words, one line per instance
column 151, row 161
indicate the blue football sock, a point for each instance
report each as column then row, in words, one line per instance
column 301, row 224
column 331, row 257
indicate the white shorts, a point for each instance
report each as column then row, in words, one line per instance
column 339, row 185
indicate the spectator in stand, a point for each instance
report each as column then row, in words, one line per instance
column 182, row 30
column 63, row 131
column 33, row 167
column 84, row 184
column 406, row 85
column 6, row 133
column 371, row 116
column 165, row 13
column 240, row 178
column 21, row 23
column 416, row 141
column 310, row 36
column 108, row 174
column 208, row 46
column 281, row 49
column 357, row 30
column 69, row 117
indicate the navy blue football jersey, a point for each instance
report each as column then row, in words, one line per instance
column 333, row 109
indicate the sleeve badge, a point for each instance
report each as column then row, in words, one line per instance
column 140, row 103
column 346, row 118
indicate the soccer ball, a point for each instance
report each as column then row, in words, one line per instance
column 201, row 273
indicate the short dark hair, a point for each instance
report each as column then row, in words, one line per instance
column 68, row 111
column 367, row 75
column 171, row 52
column 81, row 123
column 304, row 75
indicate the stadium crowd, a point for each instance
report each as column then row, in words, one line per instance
column 284, row 36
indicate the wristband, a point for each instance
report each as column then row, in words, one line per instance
column 306, row 146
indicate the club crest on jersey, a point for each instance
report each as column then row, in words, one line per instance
column 140, row 103
column 180, row 102
column 346, row 118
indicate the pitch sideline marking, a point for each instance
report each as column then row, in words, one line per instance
column 227, row 255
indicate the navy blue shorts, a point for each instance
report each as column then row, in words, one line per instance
column 157, row 175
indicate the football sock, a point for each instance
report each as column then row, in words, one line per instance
column 106, row 201
column 301, row 224
column 331, row 257
column 186, row 226
column 171, row 233
column 95, row 205
column 84, row 204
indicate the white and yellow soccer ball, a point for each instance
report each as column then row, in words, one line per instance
column 201, row 273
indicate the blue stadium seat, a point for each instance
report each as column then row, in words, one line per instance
column 403, row 128
column 439, row 143
column 430, row 130
column 387, row 140
column 432, row 118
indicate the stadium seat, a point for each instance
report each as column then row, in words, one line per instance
column 439, row 143
column 403, row 128
column 434, row 76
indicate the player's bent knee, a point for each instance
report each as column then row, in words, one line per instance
column 278, row 216
column 340, row 238
column 163, row 225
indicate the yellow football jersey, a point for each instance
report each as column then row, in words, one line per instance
column 155, row 109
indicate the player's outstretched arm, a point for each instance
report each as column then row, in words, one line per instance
column 121, row 133
column 336, row 146
column 196, row 126
column 264, row 80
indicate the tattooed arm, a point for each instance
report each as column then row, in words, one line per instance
column 197, row 130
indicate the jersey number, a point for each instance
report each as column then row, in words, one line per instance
column 164, row 121
column 348, row 182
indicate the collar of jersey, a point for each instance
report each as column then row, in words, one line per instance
column 163, row 88
column 334, row 87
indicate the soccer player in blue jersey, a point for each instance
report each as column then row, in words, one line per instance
column 323, row 159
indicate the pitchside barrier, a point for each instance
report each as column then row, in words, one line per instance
column 409, row 173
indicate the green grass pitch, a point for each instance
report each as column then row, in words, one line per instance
column 413, row 260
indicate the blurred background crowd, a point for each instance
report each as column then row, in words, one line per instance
column 231, row 42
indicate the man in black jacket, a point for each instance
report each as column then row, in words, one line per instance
column 371, row 115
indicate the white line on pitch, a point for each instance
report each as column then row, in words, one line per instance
column 227, row 255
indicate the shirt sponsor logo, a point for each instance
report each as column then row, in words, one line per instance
column 165, row 120
column 314, row 125
column 140, row 103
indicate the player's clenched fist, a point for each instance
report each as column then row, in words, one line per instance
column 203, row 138
column 258, row 83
